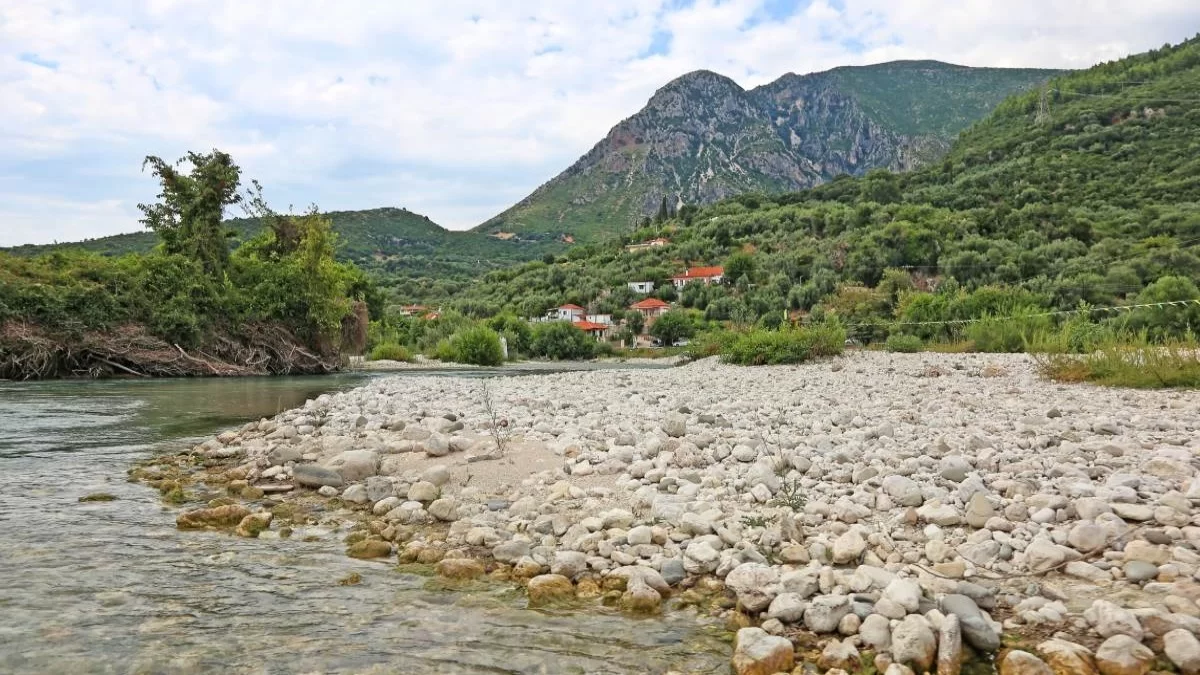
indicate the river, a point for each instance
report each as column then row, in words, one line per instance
column 113, row 587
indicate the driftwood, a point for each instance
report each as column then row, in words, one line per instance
column 28, row 352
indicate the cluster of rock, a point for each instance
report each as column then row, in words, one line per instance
column 897, row 504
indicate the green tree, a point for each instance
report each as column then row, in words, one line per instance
column 191, row 208
column 739, row 265
column 562, row 341
column 636, row 322
column 663, row 212
column 672, row 327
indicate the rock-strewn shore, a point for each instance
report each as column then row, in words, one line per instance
column 910, row 510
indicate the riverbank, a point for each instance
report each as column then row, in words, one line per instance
column 423, row 363
column 887, row 508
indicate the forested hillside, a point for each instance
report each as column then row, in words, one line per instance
column 1086, row 192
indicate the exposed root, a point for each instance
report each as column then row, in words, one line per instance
column 28, row 352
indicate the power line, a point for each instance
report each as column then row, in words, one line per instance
column 1116, row 309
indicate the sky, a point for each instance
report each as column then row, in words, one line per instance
column 454, row 109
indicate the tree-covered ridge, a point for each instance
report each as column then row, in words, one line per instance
column 1092, row 197
column 702, row 138
column 403, row 251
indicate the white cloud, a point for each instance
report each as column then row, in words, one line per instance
column 454, row 108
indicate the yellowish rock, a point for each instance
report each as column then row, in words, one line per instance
column 220, row 516
column 548, row 589
column 459, row 569
column 369, row 548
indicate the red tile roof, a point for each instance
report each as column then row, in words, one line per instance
column 574, row 308
column 649, row 303
column 589, row 326
column 702, row 273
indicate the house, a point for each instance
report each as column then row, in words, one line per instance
column 596, row 330
column 568, row 313
column 643, row 287
column 412, row 310
column 707, row 275
column 603, row 319
column 651, row 308
column 642, row 246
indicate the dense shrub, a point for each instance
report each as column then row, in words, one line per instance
column 792, row 345
column 1006, row 334
column 711, row 343
column 390, row 352
column 561, row 341
column 672, row 327
column 478, row 345
column 903, row 344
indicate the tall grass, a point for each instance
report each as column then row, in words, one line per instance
column 790, row 345
column 1120, row 360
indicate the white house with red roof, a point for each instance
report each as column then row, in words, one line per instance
column 568, row 312
column 705, row 275
column 650, row 308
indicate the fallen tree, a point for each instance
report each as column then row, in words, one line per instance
column 30, row 352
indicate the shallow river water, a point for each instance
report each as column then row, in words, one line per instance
column 113, row 587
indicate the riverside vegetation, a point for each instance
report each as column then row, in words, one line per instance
column 279, row 303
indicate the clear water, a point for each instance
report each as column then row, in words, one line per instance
column 113, row 587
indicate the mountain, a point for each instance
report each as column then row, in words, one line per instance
column 1085, row 192
column 702, row 138
column 394, row 241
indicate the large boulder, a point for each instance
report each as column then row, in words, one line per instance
column 1109, row 619
column 849, row 547
column 1122, row 655
column 759, row 653
column 976, row 626
column 1182, row 648
column 825, row 612
column 1018, row 662
column 226, row 516
column 369, row 548
column 459, row 568
column 913, row 643
column 548, row 589
column 355, row 465
column 313, row 476
column 755, row 584
column 1068, row 658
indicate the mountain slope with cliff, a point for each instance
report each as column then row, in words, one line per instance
column 702, row 138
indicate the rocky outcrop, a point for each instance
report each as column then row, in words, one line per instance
column 702, row 138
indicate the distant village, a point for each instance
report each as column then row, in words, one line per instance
column 602, row 326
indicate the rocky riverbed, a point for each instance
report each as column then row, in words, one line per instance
column 906, row 513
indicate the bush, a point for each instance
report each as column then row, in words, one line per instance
column 478, row 345
column 561, row 341
column 792, row 345
column 390, row 351
column 711, row 343
column 1007, row 334
column 903, row 344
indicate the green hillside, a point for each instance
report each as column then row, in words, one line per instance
column 1093, row 197
column 404, row 251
